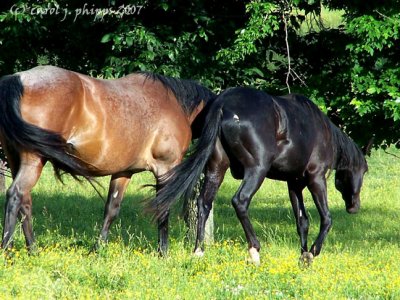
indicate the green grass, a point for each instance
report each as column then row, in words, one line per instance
column 360, row 258
column 331, row 19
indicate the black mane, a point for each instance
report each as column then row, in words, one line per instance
column 188, row 92
column 347, row 154
column 2, row 154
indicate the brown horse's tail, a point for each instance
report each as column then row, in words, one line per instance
column 181, row 180
column 22, row 136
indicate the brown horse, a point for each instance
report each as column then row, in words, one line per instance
column 90, row 127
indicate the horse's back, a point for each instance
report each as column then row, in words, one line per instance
column 124, row 118
column 48, row 93
column 287, row 133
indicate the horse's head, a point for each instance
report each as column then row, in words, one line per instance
column 349, row 181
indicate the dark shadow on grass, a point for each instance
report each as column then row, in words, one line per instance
column 80, row 218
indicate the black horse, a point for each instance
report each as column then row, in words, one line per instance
column 284, row 138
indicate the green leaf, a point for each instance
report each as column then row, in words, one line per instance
column 106, row 38
column 371, row 90
column 171, row 56
column 257, row 71
column 129, row 41
column 164, row 6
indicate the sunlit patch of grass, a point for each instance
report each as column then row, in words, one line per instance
column 359, row 259
column 328, row 19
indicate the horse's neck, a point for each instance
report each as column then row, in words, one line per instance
column 338, row 159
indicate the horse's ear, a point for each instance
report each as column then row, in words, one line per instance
column 367, row 148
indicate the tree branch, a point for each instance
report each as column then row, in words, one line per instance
column 385, row 17
column 392, row 154
column 287, row 49
column 290, row 71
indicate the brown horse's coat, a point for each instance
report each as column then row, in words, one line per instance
column 134, row 119
column 113, row 127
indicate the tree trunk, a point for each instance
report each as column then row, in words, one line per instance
column 191, row 222
column 190, row 217
column 209, row 236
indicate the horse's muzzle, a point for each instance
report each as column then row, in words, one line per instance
column 354, row 207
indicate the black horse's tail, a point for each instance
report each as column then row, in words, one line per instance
column 180, row 181
column 22, row 136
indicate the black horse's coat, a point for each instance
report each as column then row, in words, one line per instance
column 285, row 138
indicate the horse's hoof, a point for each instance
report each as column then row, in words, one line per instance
column 198, row 252
column 254, row 256
column 98, row 246
column 306, row 259
column 33, row 250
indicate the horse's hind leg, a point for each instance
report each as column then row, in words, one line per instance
column 118, row 185
column 18, row 199
column 252, row 181
column 296, row 199
column 214, row 175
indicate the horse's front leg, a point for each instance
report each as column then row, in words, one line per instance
column 214, row 175
column 295, row 189
column 317, row 187
column 163, row 235
column 162, row 222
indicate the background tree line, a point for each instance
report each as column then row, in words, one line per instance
column 349, row 67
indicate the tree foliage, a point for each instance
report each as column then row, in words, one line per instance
column 350, row 69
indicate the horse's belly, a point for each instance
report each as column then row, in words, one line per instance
column 137, row 149
column 107, row 154
column 285, row 169
column 284, row 175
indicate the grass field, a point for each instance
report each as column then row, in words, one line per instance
column 360, row 258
